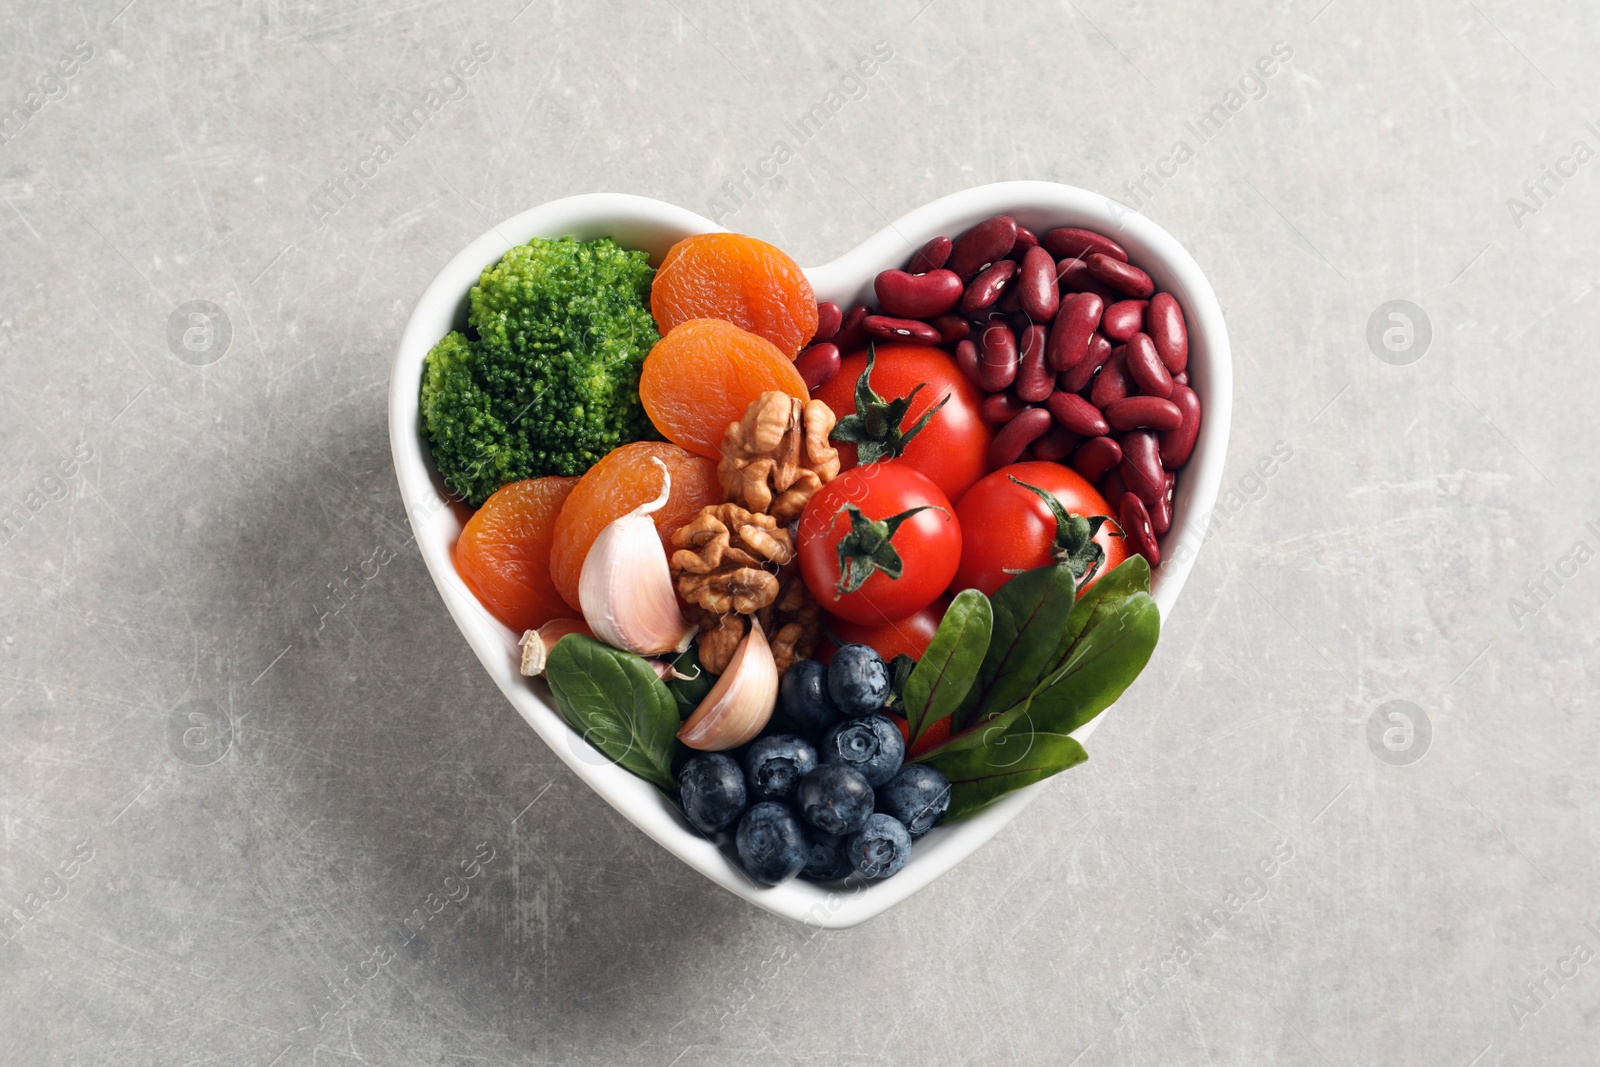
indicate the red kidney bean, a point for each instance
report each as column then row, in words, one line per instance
column 1035, row 378
column 967, row 360
column 1143, row 413
column 1074, row 324
column 986, row 288
column 1123, row 319
column 1001, row 408
column 997, row 357
column 1112, row 383
column 1167, row 330
column 1123, row 277
column 1161, row 510
column 1017, row 435
column 1178, row 443
column 1026, row 239
column 894, row 329
column 1077, row 376
column 1137, row 529
column 1096, row 456
column 917, row 296
column 1113, row 490
column 1181, row 378
column 1141, row 465
column 1075, row 413
column 1056, row 445
column 1010, row 302
column 1072, row 276
column 818, row 365
column 982, row 245
column 951, row 327
column 829, row 318
column 1146, row 368
column 930, row 256
column 851, row 337
column 1036, row 285
column 1071, row 243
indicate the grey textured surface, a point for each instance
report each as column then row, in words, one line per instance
column 231, row 789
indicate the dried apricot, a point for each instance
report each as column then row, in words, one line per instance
column 616, row 485
column 703, row 374
column 738, row 279
column 503, row 553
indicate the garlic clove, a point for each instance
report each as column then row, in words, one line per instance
column 741, row 702
column 625, row 587
column 536, row 644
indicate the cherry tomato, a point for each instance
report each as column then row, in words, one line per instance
column 937, row 733
column 952, row 448
column 878, row 543
column 1007, row 527
column 908, row 636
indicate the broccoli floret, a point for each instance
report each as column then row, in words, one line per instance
column 548, row 380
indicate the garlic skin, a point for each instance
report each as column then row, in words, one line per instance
column 741, row 702
column 536, row 644
column 625, row 586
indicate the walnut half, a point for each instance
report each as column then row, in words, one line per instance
column 777, row 456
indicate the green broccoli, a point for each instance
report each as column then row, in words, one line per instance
column 546, row 381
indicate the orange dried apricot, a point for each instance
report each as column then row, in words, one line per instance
column 616, row 485
column 503, row 553
column 703, row 374
column 739, row 279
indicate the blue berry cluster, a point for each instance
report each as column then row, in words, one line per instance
column 826, row 791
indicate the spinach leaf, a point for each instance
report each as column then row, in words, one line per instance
column 1130, row 576
column 1099, row 666
column 616, row 703
column 690, row 690
column 999, row 757
column 950, row 665
column 1030, row 613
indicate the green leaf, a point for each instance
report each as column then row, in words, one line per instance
column 689, row 691
column 950, row 665
column 1130, row 576
column 1030, row 613
column 616, row 703
column 996, row 758
column 1099, row 666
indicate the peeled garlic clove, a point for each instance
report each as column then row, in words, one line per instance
column 536, row 644
column 741, row 702
column 625, row 587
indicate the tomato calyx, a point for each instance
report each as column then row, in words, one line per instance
column 867, row 550
column 874, row 427
column 1074, row 543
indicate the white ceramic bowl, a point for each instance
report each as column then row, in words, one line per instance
column 642, row 223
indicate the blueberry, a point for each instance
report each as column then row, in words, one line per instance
column 879, row 848
column 773, row 766
column 835, row 799
column 918, row 796
column 803, row 697
column 858, row 680
column 712, row 790
column 871, row 744
column 827, row 861
column 771, row 843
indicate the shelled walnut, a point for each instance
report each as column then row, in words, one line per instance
column 727, row 557
column 777, row 456
column 792, row 621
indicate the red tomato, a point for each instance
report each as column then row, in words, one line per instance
column 937, row 733
column 890, row 520
column 1008, row 528
column 908, row 636
column 953, row 447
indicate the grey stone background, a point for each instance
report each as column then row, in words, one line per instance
column 249, row 764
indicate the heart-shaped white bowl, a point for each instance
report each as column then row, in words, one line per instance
column 653, row 226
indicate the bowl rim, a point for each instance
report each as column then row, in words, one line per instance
column 643, row 222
